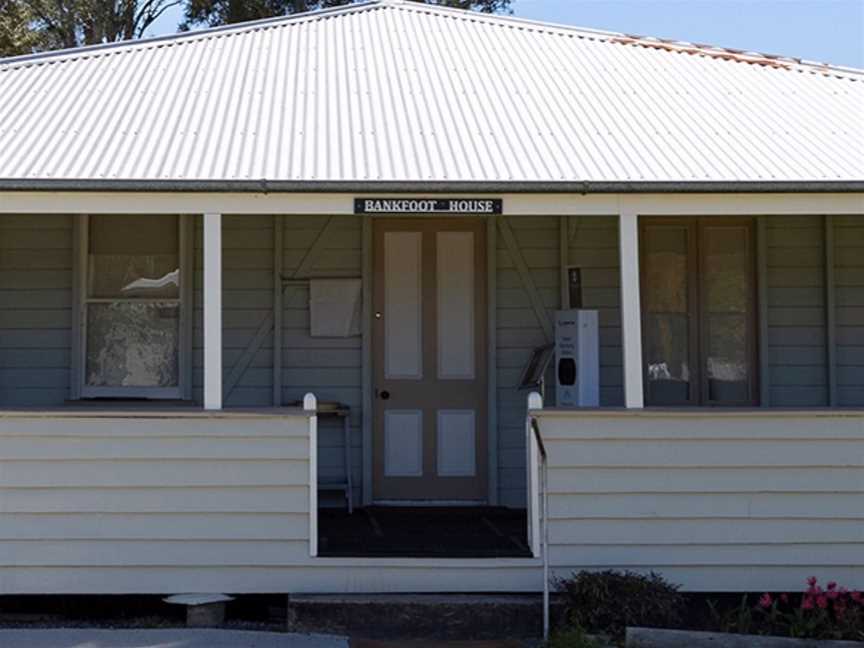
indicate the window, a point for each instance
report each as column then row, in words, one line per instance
column 132, row 307
column 698, row 292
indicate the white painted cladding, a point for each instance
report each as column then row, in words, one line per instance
column 732, row 501
column 134, row 504
column 401, row 91
column 127, row 494
column 715, row 501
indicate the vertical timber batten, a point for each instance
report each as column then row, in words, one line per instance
column 631, row 310
column 492, row 356
column 278, row 305
column 830, row 313
column 213, row 311
column 79, row 264
column 564, row 257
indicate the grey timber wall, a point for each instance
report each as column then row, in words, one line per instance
column 528, row 293
column 323, row 246
column 797, row 370
column 849, row 300
column 35, row 309
column 593, row 247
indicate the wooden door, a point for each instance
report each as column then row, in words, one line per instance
column 429, row 349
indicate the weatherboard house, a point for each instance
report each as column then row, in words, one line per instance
column 256, row 277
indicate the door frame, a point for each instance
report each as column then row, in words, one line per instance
column 367, row 274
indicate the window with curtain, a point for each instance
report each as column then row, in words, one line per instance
column 132, row 307
column 698, row 303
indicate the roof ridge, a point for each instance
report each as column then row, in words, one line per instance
column 198, row 34
column 714, row 51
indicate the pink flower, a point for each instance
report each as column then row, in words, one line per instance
column 812, row 581
column 765, row 601
column 822, row 602
column 856, row 596
column 807, row 603
column 831, row 586
column 784, row 598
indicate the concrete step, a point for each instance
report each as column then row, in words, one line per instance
column 418, row 616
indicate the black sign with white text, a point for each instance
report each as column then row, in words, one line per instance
column 427, row 205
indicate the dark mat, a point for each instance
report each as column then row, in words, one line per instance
column 459, row 532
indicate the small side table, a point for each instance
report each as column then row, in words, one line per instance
column 330, row 409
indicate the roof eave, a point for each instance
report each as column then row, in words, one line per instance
column 424, row 186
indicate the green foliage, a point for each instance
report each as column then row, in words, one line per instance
column 573, row 638
column 33, row 25
column 224, row 12
column 16, row 36
column 609, row 601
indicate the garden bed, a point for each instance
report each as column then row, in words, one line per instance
column 655, row 638
column 645, row 611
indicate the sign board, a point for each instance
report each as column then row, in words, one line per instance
column 427, row 205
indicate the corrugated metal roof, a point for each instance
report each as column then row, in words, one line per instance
column 400, row 91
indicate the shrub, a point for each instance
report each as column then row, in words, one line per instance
column 573, row 638
column 609, row 601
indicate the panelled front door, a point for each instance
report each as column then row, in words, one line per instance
column 429, row 348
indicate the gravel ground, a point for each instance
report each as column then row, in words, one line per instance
column 173, row 638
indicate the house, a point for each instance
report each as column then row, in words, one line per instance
column 207, row 237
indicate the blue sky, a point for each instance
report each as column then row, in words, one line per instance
column 830, row 31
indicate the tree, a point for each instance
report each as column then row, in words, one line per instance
column 33, row 25
column 16, row 37
column 213, row 13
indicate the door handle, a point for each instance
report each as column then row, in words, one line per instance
column 383, row 394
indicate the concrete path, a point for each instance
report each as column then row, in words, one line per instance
column 422, row 643
column 176, row 638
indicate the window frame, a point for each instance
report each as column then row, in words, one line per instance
column 80, row 390
column 695, row 227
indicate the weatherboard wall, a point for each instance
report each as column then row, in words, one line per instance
column 748, row 501
column 35, row 309
column 36, row 279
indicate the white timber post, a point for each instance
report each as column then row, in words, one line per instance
column 310, row 405
column 535, row 402
column 631, row 309
column 213, row 311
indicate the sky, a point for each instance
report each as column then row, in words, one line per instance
column 828, row 31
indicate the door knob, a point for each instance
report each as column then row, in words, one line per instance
column 384, row 394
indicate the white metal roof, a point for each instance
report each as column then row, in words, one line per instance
column 403, row 92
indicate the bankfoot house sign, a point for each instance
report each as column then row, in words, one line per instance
column 427, row 205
